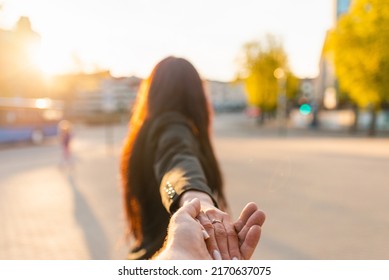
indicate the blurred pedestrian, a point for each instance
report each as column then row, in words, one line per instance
column 168, row 160
column 65, row 137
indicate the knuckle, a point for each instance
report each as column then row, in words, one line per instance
column 211, row 212
column 225, row 216
column 232, row 233
column 220, row 232
column 207, row 226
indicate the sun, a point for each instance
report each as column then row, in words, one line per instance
column 52, row 60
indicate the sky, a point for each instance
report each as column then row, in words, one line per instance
column 128, row 37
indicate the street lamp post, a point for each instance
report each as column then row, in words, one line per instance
column 279, row 74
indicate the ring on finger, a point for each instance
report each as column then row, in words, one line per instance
column 214, row 221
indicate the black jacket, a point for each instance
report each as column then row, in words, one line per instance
column 170, row 162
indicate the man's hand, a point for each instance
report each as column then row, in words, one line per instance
column 185, row 239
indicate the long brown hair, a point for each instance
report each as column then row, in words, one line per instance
column 173, row 86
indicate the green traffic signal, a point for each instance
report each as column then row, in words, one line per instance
column 305, row 109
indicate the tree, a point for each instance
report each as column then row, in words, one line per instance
column 258, row 61
column 359, row 45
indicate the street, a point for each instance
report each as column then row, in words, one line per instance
column 325, row 195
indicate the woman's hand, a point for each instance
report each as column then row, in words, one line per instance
column 223, row 243
column 223, row 240
column 248, row 227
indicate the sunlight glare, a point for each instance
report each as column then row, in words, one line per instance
column 42, row 103
column 52, row 61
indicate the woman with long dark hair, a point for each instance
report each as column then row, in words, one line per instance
column 168, row 160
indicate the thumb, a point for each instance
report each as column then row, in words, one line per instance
column 192, row 208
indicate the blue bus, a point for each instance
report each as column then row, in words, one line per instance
column 28, row 119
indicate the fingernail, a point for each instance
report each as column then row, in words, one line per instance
column 205, row 234
column 216, row 255
column 235, row 259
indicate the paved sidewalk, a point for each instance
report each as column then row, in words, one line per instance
column 325, row 195
column 52, row 212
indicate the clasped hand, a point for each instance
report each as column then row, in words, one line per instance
column 226, row 239
column 232, row 240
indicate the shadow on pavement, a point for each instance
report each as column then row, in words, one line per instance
column 94, row 235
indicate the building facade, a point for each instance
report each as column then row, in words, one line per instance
column 17, row 70
column 327, row 85
column 226, row 96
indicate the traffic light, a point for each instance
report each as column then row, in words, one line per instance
column 305, row 109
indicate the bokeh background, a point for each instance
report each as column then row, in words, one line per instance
column 300, row 91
